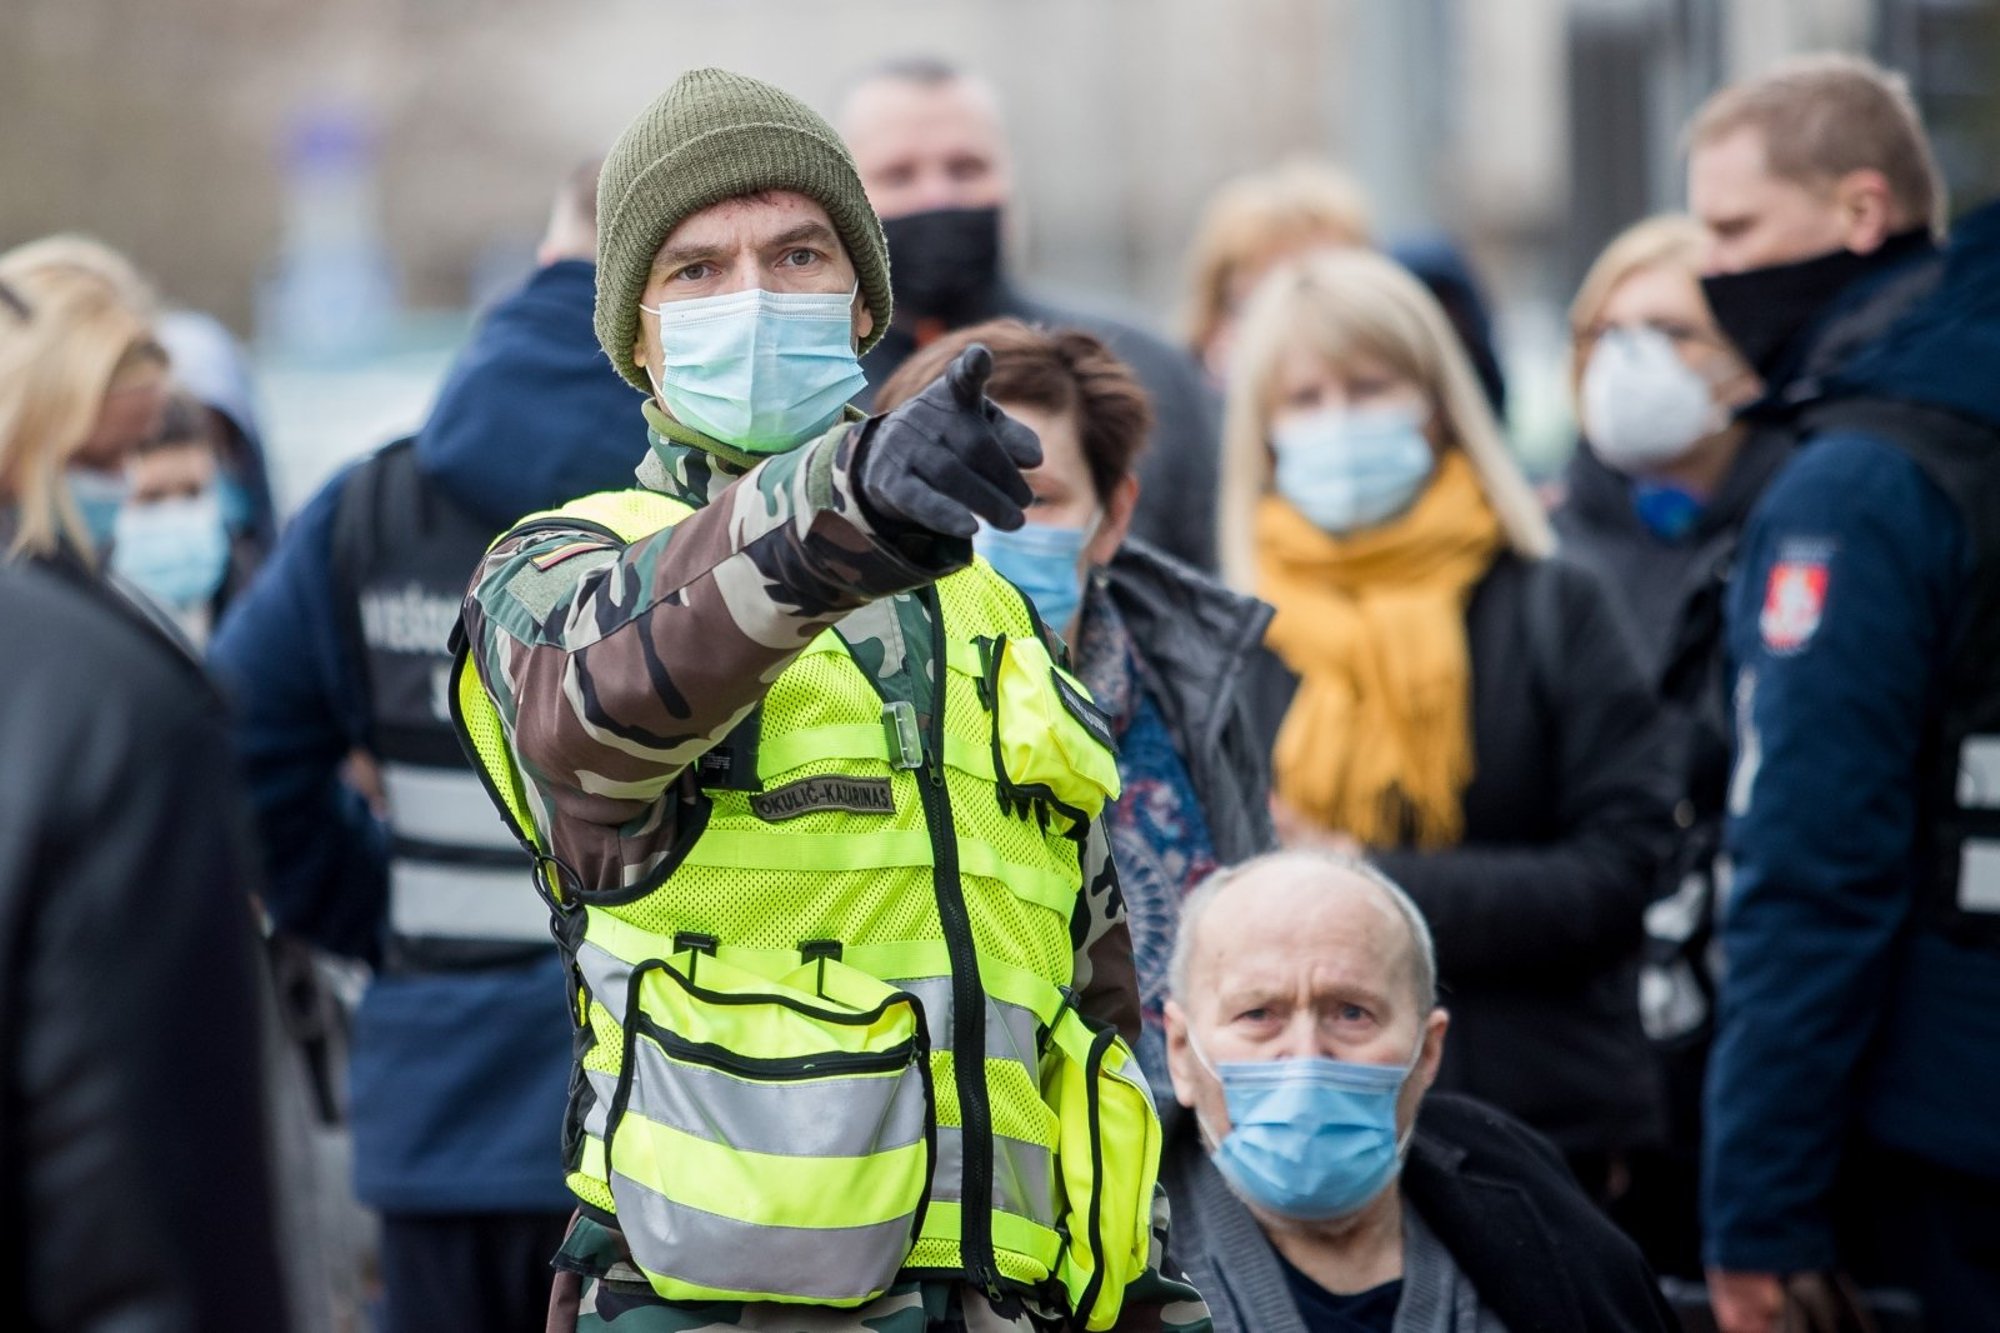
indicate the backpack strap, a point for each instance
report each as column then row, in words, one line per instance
column 383, row 484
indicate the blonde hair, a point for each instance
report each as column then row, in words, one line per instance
column 1822, row 116
column 1666, row 240
column 1261, row 217
column 74, row 316
column 1338, row 304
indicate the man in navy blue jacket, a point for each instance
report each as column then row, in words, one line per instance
column 1853, row 1095
column 461, row 1047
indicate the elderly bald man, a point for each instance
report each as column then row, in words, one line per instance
column 1315, row 1186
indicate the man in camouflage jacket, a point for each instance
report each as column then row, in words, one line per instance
column 616, row 667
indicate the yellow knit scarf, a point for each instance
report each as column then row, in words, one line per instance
column 1378, row 742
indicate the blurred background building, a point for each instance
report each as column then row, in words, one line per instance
column 344, row 182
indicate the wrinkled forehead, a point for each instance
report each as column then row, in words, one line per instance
column 1295, row 926
column 766, row 220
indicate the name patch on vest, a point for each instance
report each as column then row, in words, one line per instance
column 861, row 796
column 1088, row 715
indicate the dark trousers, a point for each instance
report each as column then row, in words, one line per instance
column 1910, row 1224
column 468, row 1272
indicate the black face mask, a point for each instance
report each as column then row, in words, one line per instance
column 1763, row 310
column 945, row 263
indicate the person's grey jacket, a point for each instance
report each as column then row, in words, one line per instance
column 1197, row 643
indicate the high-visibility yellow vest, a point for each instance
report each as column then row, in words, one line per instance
column 776, row 1103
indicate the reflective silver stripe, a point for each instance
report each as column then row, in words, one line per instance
column 603, row 1087
column 1023, row 1175
column 820, row 1117
column 1011, row 1031
column 725, row 1254
column 1979, row 876
column 1979, row 773
column 607, row 975
column 445, row 806
column 431, row 900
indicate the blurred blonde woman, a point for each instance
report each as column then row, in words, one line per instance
column 82, row 382
column 1665, row 475
column 1466, row 711
column 1658, row 492
column 1253, row 222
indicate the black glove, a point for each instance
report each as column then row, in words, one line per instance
column 949, row 457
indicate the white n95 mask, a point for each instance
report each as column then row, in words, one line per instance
column 1642, row 406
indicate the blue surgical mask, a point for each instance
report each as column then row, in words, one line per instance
column 1349, row 469
column 1043, row 560
column 98, row 497
column 761, row 371
column 1312, row 1139
column 174, row 551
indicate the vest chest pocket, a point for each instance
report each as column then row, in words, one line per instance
column 1051, row 743
column 772, row 1137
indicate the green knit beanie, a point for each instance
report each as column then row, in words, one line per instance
column 714, row 136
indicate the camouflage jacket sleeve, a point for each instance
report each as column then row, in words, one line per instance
column 1106, row 979
column 615, row 667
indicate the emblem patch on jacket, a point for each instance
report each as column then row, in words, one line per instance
column 861, row 796
column 1794, row 602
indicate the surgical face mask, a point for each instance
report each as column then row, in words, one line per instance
column 1642, row 406
column 1347, row 469
column 1311, row 1139
column 1043, row 560
column 98, row 497
column 762, row 371
column 174, row 551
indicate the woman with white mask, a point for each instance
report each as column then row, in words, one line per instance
column 1467, row 712
column 1665, row 479
column 1666, row 475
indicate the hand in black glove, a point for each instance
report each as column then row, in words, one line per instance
column 948, row 457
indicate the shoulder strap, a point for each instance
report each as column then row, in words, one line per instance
column 629, row 515
column 386, row 479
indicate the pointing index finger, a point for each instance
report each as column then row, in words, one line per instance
column 968, row 375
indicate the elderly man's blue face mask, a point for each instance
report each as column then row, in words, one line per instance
column 1312, row 1139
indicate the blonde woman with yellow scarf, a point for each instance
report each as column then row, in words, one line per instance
column 1466, row 712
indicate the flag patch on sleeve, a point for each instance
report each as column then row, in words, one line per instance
column 1794, row 603
column 550, row 559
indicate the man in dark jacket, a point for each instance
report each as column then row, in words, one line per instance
column 1302, row 1036
column 932, row 152
column 1853, row 1100
column 461, row 1047
column 135, row 1189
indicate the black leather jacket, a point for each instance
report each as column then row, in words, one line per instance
column 134, row 1183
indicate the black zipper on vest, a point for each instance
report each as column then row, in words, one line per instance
column 968, row 995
